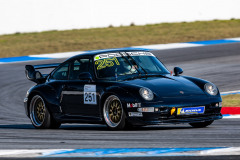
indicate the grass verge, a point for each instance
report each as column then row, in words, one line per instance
column 114, row 37
column 231, row 100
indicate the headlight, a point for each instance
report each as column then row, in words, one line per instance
column 211, row 89
column 146, row 93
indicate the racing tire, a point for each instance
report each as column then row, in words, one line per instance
column 114, row 115
column 40, row 116
column 201, row 124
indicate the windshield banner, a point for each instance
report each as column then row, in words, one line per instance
column 111, row 55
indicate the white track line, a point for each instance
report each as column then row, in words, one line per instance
column 58, row 55
column 232, row 116
column 29, row 153
column 168, row 46
column 234, row 39
column 57, row 153
column 230, row 92
column 222, row 151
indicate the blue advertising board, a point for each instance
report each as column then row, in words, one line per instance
column 191, row 110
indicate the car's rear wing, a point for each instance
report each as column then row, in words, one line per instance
column 36, row 76
column 42, row 66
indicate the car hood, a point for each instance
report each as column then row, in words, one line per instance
column 169, row 86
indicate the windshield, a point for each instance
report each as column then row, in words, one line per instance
column 129, row 63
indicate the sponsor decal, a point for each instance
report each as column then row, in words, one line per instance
column 173, row 110
column 106, row 55
column 133, row 105
column 139, row 53
column 135, row 114
column 192, row 110
column 90, row 94
column 111, row 55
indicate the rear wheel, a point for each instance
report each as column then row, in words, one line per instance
column 40, row 116
column 114, row 114
column 201, row 124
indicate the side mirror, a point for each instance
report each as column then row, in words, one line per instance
column 177, row 71
column 85, row 76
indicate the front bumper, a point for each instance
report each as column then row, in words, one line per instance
column 172, row 119
column 164, row 116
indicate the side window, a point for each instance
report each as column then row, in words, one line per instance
column 79, row 66
column 61, row 73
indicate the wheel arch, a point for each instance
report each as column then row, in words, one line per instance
column 123, row 95
column 49, row 96
column 201, row 83
column 31, row 95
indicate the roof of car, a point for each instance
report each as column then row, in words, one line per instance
column 93, row 53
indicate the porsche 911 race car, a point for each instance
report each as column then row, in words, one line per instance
column 121, row 88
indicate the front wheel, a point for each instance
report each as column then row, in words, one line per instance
column 40, row 116
column 201, row 124
column 114, row 114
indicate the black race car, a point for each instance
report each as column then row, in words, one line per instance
column 121, row 88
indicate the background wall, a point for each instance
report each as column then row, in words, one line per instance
column 44, row 15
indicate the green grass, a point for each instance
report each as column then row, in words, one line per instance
column 231, row 100
column 114, row 37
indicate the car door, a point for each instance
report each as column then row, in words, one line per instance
column 80, row 97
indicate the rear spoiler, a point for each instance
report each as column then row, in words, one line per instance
column 37, row 76
column 42, row 66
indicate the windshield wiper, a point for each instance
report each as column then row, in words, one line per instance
column 130, row 63
column 137, row 64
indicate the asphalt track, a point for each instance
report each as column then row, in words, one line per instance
column 219, row 64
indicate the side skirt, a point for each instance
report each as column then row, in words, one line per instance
column 77, row 119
